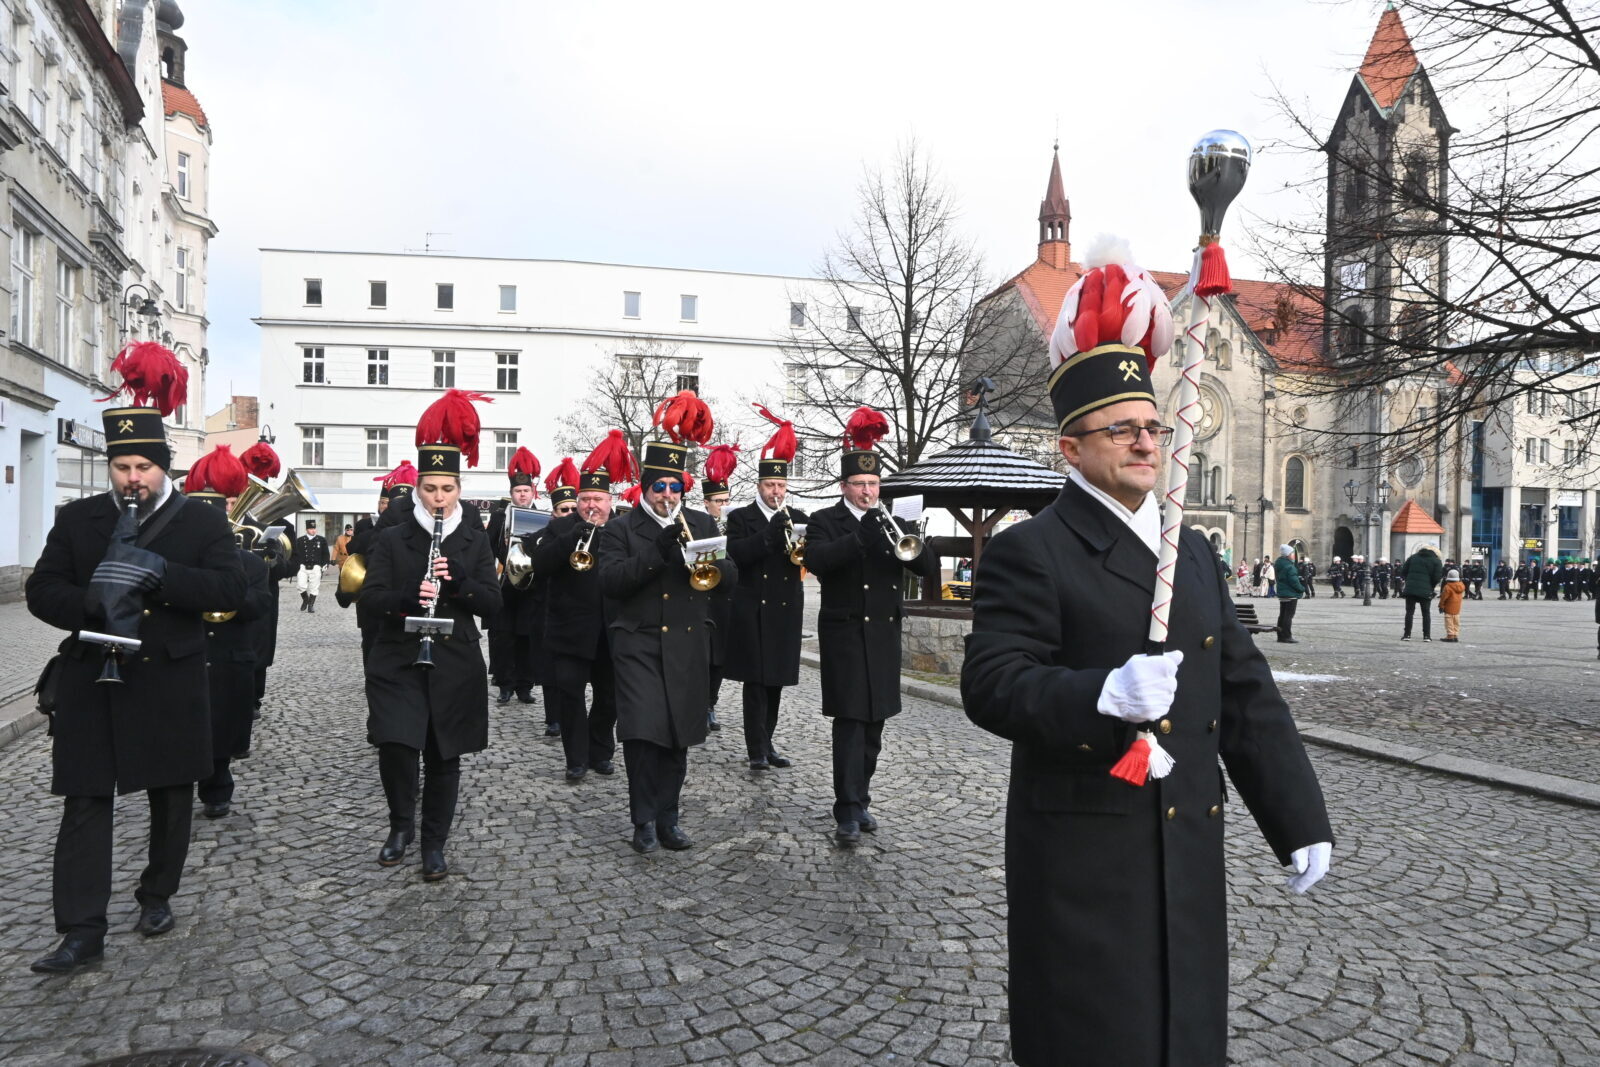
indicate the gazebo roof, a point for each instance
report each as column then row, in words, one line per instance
column 976, row 473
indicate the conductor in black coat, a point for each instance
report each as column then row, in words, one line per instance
column 1116, row 897
column 768, row 610
column 413, row 712
column 850, row 547
column 660, row 643
column 153, row 731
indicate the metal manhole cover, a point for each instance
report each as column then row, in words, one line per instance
column 185, row 1057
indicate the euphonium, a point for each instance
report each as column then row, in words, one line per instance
column 906, row 547
column 703, row 574
column 582, row 559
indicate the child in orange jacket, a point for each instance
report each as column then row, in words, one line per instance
column 1451, row 594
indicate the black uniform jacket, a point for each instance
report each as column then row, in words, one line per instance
column 575, row 610
column 517, row 606
column 403, row 700
column 233, row 649
column 153, row 730
column 1119, row 949
column 858, row 627
column 660, row 633
column 768, row 603
column 311, row 550
column 279, row 567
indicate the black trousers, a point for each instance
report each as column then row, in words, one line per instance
column 760, row 718
column 261, row 684
column 1286, row 610
column 1338, row 587
column 217, row 789
column 397, row 766
column 716, row 683
column 1426, row 603
column 1477, row 588
column 655, row 782
column 81, row 885
column 511, row 660
column 588, row 735
column 1505, row 590
column 855, row 758
column 1311, row 587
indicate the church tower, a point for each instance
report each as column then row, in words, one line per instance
column 1055, row 218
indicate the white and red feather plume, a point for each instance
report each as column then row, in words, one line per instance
column 151, row 376
column 1116, row 302
column 685, row 417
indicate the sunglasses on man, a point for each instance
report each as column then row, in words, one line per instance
column 663, row 486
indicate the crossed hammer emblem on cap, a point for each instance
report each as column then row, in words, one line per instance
column 438, row 459
column 125, row 426
column 1129, row 369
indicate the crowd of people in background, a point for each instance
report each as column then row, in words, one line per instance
column 1567, row 579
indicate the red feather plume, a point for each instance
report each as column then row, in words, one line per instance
column 782, row 444
column 865, row 429
column 631, row 495
column 613, row 455
column 721, row 462
column 524, row 462
column 685, row 417
column 151, row 376
column 259, row 459
column 220, row 470
column 452, row 420
column 405, row 474
column 688, row 481
column 565, row 474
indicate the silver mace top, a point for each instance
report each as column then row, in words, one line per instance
column 1217, row 170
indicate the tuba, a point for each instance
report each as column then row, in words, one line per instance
column 264, row 507
column 519, row 522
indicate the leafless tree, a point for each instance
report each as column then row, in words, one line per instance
column 896, row 321
column 639, row 375
column 1458, row 288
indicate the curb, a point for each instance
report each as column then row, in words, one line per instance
column 18, row 716
column 1549, row 786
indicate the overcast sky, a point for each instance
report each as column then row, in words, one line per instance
column 726, row 136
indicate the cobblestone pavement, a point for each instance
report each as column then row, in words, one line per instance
column 29, row 643
column 1457, row 925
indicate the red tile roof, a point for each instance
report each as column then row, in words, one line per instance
column 1390, row 61
column 175, row 99
column 1413, row 519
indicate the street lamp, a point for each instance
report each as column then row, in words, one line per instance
column 134, row 305
column 1370, row 510
column 1233, row 509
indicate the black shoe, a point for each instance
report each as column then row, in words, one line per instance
column 760, row 765
column 644, row 839
column 711, row 720
column 303, row 598
column 1427, row 639
column 217, row 811
column 1405, row 637
column 505, row 695
column 311, row 606
column 394, row 848
column 155, row 919
column 869, row 825
column 575, row 774
column 552, row 729
column 1288, row 641
column 434, row 867
column 243, row 753
column 603, row 766
column 525, row 696
column 74, row 951
column 776, row 759
column 848, row 832
column 673, row 838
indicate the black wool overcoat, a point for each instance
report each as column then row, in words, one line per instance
column 576, row 611
column 155, row 729
column 1119, row 948
column 232, row 653
column 768, row 603
column 453, row 697
column 660, row 631
column 858, row 625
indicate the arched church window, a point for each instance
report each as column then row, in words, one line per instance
column 1294, row 483
column 1194, row 492
column 1224, row 355
column 1353, row 334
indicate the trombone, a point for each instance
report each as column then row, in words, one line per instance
column 582, row 557
column 794, row 539
column 906, row 546
column 703, row 574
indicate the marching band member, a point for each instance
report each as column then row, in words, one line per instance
column 436, row 564
column 562, row 487
column 511, row 664
column 260, row 460
column 850, row 548
column 769, row 601
column 133, row 563
column 395, row 501
column 721, row 462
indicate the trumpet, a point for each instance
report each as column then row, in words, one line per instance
column 794, row 542
column 703, row 574
column 905, row 546
column 582, row 557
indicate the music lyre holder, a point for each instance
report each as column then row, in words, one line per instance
column 116, row 647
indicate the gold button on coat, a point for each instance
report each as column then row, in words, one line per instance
column 1216, row 809
column 663, row 629
column 1166, row 726
column 1172, row 813
column 666, row 596
column 1211, row 726
column 147, row 613
column 1208, row 642
column 1085, row 748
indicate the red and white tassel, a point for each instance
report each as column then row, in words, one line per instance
column 1145, row 759
column 1214, row 278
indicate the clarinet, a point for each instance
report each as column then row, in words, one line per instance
column 425, row 649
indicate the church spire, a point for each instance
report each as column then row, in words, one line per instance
column 1390, row 61
column 1055, row 217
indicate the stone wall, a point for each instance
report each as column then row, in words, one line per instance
column 933, row 645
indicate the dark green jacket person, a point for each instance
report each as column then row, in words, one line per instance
column 1288, row 578
column 1422, row 573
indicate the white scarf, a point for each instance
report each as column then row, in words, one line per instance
column 859, row 513
column 650, row 511
column 1146, row 522
column 765, row 511
column 424, row 519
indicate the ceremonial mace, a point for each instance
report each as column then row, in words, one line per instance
column 1218, row 166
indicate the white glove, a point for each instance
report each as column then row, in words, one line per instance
column 1310, row 864
column 1142, row 689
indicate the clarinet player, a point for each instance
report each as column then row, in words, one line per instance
column 417, row 713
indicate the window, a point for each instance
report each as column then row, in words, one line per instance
column 1214, row 486
column 377, row 367
column 688, row 374
column 630, row 305
column 314, row 292
column 180, row 288
column 797, row 314
column 38, row 97
column 66, row 298
column 445, row 298
column 1544, row 450
column 505, row 446
column 1353, row 333
column 508, row 298
column 1194, row 490
column 378, row 448
column 1568, row 452
column 1294, row 483
column 630, row 371
column 794, row 382
column 505, row 371
column 24, row 286
column 183, row 175
column 378, row 294
column 1533, row 403
column 312, row 367
column 1567, row 522
column 444, row 370
column 688, row 307
column 1529, row 450
column 854, row 315
column 1353, row 277
column 311, row 440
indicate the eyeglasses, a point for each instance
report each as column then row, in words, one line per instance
column 663, row 486
column 1126, row 433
